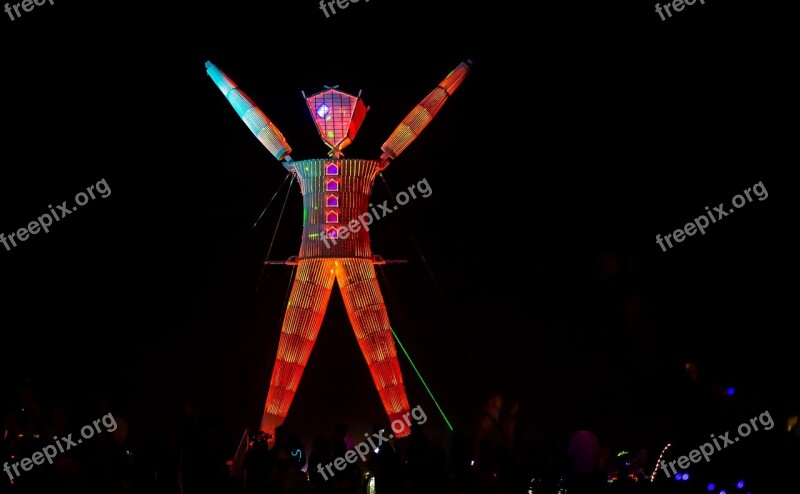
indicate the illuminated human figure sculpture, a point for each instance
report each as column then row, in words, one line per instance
column 335, row 193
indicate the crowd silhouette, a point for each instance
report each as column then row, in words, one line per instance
column 501, row 453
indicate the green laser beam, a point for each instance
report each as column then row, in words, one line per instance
column 421, row 379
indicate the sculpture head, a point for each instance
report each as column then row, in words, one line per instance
column 338, row 116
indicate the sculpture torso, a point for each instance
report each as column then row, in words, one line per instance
column 335, row 192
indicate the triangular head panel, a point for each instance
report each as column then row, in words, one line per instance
column 338, row 116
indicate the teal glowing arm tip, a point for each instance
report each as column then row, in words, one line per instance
column 258, row 123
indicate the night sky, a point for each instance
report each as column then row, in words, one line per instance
column 582, row 131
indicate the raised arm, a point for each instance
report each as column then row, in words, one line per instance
column 422, row 114
column 256, row 121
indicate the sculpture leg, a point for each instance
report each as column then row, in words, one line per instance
column 367, row 311
column 307, row 303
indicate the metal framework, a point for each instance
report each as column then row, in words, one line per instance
column 335, row 192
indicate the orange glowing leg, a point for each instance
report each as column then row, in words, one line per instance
column 307, row 303
column 367, row 311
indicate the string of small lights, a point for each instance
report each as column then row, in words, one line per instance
column 658, row 463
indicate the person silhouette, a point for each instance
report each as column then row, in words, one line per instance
column 257, row 465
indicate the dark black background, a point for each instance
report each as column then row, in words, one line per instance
column 582, row 132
